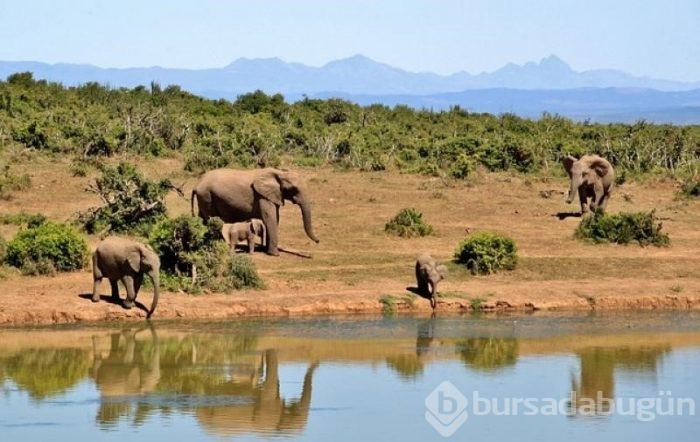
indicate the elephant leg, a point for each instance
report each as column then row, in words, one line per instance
column 251, row 242
column 599, row 194
column 270, row 213
column 115, row 289
column 96, row 289
column 583, row 198
column 138, row 280
column 604, row 202
column 130, row 293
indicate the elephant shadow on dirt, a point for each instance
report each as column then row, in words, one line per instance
column 108, row 299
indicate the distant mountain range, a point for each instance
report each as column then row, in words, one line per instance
column 530, row 89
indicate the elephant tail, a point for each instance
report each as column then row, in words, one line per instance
column 192, row 201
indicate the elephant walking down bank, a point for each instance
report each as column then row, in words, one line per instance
column 126, row 260
column 590, row 177
column 240, row 195
column 428, row 275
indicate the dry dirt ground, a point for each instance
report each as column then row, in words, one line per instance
column 358, row 268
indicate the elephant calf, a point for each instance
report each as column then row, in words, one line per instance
column 127, row 260
column 428, row 275
column 245, row 231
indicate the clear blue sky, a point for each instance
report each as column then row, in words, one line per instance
column 659, row 38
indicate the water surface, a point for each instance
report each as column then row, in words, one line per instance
column 348, row 378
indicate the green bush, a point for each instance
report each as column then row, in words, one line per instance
column 47, row 247
column 487, row 252
column 623, row 228
column 130, row 201
column 185, row 243
column 408, row 223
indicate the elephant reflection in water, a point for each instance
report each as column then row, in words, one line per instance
column 130, row 369
column 267, row 411
column 197, row 368
column 598, row 373
column 410, row 365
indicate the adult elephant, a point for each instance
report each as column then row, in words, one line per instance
column 240, row 195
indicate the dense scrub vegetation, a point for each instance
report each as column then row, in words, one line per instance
column 45, row 247
column 257, row 129
column 408, row 223
column 623, row 228
column 487, row 252
column 194, row 258
column 130, row 202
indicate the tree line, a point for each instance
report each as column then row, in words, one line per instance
column 258, row 129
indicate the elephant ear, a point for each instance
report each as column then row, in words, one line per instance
column 268, row 186
column 442, row 270
column 600, row 166
column 569, row 164
column 134, row 260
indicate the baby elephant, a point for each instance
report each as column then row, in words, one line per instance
column 127, row 260
column 245, row 231
column 428, row 274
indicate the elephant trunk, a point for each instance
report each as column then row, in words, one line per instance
column 155, row 278
column 306, row 217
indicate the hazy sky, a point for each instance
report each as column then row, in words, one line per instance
column 658, row 38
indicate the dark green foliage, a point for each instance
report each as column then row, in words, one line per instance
column 623, row 228
column 175, row 239
column 31, row 219
column 47, row 247
column 3, row 249
column 185, row 244
column 11, row 182
column 93, row 120
column 130, row 201
column 408, row 223
column 487, row 252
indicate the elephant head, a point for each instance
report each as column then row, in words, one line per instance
column 588, row 172
column 279, row 185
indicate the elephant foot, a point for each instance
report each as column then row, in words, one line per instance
column 95, row 298
column 273, row 252
column 128, row 305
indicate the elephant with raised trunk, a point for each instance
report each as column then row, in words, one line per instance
column 126, row 260
column 240, row 195
column 590, row 177
column 428, row 275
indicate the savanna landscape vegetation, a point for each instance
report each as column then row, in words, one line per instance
column 483, row 194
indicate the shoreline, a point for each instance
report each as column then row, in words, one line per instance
column 73, row 306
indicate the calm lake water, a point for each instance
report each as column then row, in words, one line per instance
column 355, row 379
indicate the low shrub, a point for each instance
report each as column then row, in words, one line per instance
column 130, row 201
column 194, row 258
column 408, row 223
column 45, row 247
column 487, row 252
column 22, row 218
column 12, row 182
column 691, row 187
column 623, row 228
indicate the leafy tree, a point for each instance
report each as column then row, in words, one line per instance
column 130, row 202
